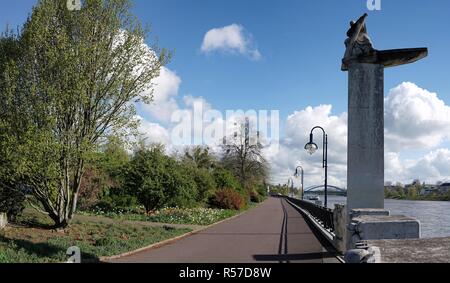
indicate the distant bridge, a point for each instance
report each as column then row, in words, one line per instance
column 320, row 188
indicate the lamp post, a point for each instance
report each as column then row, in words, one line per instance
column 311, row 148
column 296, row 175
column 291, row 182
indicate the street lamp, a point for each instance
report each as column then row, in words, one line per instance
column 311, row 148
column 296, row 176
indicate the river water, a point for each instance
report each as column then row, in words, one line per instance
column 434, row 216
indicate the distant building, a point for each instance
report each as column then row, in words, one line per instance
column 390, row 188
column 428, row 190
column 444, row 188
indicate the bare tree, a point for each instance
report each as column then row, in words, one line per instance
column 242, row 154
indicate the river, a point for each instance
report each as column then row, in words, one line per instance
column 434, row 216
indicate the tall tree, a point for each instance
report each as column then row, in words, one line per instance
column 242, row 154
column 76, row 81
column 11, row 193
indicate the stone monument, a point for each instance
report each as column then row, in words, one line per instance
column 365, row 66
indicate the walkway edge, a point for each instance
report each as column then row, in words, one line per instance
column 173, row 240
column 323, row 231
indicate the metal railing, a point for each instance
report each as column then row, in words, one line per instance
column 322, row 214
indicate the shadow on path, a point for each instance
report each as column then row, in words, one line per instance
column 293, row 257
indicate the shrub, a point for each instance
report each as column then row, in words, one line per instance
column 262, row 190
column 93, row 183
column 228, row 199
column 255, row 197
column 204, row 182
column 117, row 199
column 226, row 180
column 158, row 181
column 11, row 202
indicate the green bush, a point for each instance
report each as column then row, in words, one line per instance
column 158, row 181
column 255, row 197
column 11, row 202
column 93, row 184
column 228, row 199
column 226, row 180
column 117, row 198
column 262, row 190
column 205, row 183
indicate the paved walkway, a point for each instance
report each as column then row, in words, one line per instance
column 270, row 233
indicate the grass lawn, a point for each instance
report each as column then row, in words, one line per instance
column 30, row 241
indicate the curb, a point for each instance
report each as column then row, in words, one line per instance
column 172, row 240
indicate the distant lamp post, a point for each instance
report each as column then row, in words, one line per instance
column 291, row 185
column 296, row 175
column 311, row 148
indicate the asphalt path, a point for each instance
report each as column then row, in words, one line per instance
column 273, row 232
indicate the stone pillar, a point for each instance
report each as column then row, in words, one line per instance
column 365, row 175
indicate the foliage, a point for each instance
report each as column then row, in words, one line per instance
column 262, row 190
column 113, row 158
column 199, row 157
column 256, row 197
column 102, row 183
column 11, row 197
column 74, row 82
column 228, row 199
column 11, row 201
column 204, row 181
column 279, row 189
column 93, row 184
column 159, row 181
column 117, row 199
column 225, row 179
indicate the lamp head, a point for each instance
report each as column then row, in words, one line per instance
column 311, row 147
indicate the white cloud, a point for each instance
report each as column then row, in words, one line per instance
column 165, row 91
column 415, row 118
column 232, row 39
column 153, row 132
column 433, row 167
column 292, row 153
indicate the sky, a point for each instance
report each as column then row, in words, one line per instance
column 285, row 55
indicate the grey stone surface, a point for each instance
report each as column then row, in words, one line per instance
column 356, row 256
column 340, row 227
column 363, row 254
column 359, row 49
column 435, row 250
column 365, row 173
column 358, row 44
column 377, row 227
column 365, row 65
column 368, row 211
column 3, row 220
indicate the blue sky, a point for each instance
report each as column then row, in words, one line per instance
column 301, row 43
